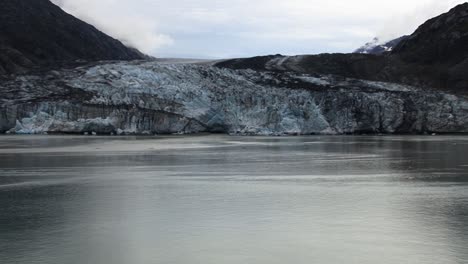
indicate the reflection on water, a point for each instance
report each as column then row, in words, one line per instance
column 219, row 199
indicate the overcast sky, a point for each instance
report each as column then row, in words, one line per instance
column 240, row 28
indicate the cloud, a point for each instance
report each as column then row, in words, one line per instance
column 214, row 28
column 113, row 18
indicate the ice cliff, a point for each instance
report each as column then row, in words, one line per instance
column 154, row 98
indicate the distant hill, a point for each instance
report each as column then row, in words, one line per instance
column 38, row 33
column 377, row 47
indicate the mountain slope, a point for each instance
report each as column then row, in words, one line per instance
column 38, row 33
column 443, row 39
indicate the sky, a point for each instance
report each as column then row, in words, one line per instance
column 243, row 28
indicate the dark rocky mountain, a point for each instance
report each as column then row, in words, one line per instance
column 377, row 47
column 435, row 56
column 39, row 33
column 442, row 40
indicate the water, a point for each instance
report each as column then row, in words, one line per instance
column 219, row 199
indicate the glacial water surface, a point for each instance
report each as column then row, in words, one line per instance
column 215, row 199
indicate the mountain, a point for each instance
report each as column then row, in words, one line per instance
column 441, row 40
column 435, row 56
column 421, row 86
column 377, row 47
column 37, row 33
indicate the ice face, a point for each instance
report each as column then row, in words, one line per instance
column 151, row 97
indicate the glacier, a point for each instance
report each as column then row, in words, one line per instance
column 147, row 97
